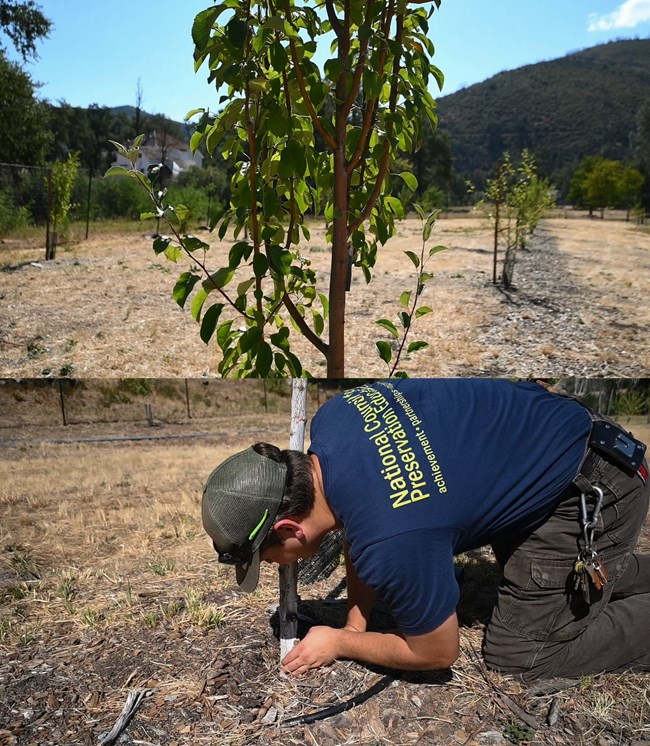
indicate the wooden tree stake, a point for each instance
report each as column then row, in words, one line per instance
column 288, row 609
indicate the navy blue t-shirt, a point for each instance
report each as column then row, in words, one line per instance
column 420, row 470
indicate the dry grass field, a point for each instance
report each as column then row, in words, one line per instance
column 108, row 586
column 581, row 305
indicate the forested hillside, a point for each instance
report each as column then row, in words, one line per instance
column 562, row 110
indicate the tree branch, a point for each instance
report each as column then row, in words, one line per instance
column 356, row 78
column 383, row 165
column 337, row 27
column 364, row 137
column 306, row 330
column 303, row 89
column 376, row 190
column 366, row 127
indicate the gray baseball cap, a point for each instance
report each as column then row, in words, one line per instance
column 241, row 499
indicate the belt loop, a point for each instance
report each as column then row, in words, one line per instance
column 583, row 484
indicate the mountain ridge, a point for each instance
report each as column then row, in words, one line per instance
column 584, row 103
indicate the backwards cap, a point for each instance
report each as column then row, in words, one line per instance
column 241, row 499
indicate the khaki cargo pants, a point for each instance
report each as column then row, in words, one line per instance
column 541, row 627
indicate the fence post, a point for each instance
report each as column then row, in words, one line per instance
column 288, row 609
column 48, row 237
column 65, row 421
column 187, row 400
column 90, row 184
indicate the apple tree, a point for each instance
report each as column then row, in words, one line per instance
column 317, row 104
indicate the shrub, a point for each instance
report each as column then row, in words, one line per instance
column 12, row 218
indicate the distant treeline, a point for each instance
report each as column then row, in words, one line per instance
column 591, row 104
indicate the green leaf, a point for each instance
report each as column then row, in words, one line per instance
column 182, row 212
column 192, row 243
column 384, row 350
column 274, row 22
column 238, row 251
column 423, row 311
column 197, row 303
column 173, row 253
column 420, row 211
column 225, row 335
column 387, row 324
column 281, row 338
column 148, row 215
column 333, row 69
column 209, row 323
column 280, row 259
column 193, row 112
column 396, row 206
column 184, row 286
column 296, row 366
column 278, row 123
column 237, row 31
column 410, row 180
column 405, row 319
column 264, row 360
column 160, row 244
column 260, row 265
column 319, row 322
column 121, row 150
column 436, row 250
column 118, row 171
column 325, row 303
column 415, row 346
column 249, row 339
column 218, row 279
column 438, row 75
column 245, row 286
column 372, row 83
column 202, row 25
column 293, row 161
column 195, row 140
column 278, row 55
column 414, row 258
column 405, row 298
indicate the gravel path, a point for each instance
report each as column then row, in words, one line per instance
column 551, row 322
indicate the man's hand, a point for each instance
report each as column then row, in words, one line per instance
column 323, row 645
column 318, row 648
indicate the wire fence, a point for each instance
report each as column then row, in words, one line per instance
column 144, row 401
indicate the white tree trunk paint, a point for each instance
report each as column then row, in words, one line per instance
column 288, row 609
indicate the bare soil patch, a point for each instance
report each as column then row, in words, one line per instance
column 108, row 585
column 581, row 306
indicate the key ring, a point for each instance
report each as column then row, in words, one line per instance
column 589, row 525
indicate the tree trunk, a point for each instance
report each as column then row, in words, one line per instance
column 497, row 205
column 339, row 267
column 288, row 609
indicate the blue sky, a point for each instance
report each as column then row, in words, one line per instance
column 97, row 51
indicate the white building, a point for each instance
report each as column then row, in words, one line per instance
column 159, row 147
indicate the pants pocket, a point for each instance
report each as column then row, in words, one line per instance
column 538, row 600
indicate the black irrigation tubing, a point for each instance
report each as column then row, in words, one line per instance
column 358, row 699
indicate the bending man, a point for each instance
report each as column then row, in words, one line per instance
column 417, row 471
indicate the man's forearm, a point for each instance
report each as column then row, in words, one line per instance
column 391, row 650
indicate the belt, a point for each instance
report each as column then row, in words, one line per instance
column 592, row 464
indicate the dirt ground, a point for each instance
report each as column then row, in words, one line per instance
column 109, row 587
column 580, row 306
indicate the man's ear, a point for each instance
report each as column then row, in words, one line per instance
column 287, row 528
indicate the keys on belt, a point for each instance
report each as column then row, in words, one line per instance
column 588, row 569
